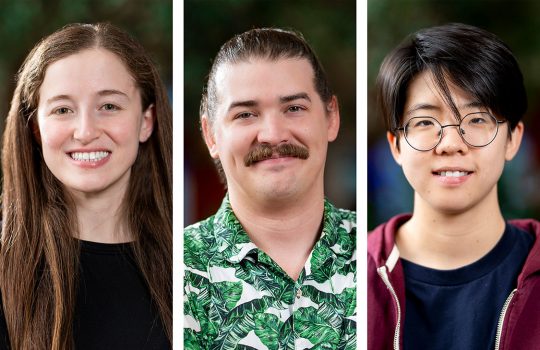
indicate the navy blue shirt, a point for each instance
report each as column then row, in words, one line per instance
column 460, row 309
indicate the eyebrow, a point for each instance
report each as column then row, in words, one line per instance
column 473, row 104
column 420, row 106
column 282, row 99
column 107, row 92
column 112, row 92
column 430, row 107
column 298, row 96
column 58, row 98
column 247, row 103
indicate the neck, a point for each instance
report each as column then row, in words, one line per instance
column 446, row 241
column 286, row 230
column 100, row 218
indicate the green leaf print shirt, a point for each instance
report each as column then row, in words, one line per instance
column 237, row 297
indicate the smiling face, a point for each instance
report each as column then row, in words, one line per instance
column 453, row 177
column 91, row 121
column 264, row 103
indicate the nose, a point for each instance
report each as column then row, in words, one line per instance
column 86, row 127
column 273, row 130
column 451, row 141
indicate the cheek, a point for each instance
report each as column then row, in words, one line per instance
column 53, row 135
column 123, row 134
column 493, row 163
column 233, row 143
column 415, row 167
column 122, row 131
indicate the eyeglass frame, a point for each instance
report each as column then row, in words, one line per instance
column 497, row 122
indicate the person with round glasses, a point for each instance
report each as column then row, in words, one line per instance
column 454, row 274
column 477, row 129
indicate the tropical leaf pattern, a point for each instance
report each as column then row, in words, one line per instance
column 237, row 297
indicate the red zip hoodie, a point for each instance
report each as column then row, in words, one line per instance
column 519, row 321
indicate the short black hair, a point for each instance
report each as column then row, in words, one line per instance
column 473, row 59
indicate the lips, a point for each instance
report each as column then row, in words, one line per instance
column 452, row 176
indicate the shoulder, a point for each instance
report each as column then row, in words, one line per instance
column 348, row 219
column 382, row 239
column 339, row 230
column 346, row 214
column 532, row 264
column 199, row 240
column 528, row 225
column 200, row 229
column 343, row 218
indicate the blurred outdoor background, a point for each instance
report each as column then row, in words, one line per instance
column 330, row 28
column 517, row 23
column 24, row 22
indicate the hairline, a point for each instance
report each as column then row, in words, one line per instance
column 259, row 57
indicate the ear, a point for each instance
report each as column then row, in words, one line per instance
column 209, row 137
column 34, row 126
column 393, row 143
column 513, row 143
column 147, row 125
column 332, row 113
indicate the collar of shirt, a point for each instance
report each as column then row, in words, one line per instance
column 233, row 242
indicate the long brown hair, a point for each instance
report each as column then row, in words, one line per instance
column 38, row 254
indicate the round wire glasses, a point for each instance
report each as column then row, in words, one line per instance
column 476, row 129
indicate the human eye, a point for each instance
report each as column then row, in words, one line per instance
column 61, row 111
column 478, row 120
column 420, row 123
column 109, row 107
column 295, row 109
column 244, row 115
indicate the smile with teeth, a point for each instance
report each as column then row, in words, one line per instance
column 89, row 156
column 453, row 173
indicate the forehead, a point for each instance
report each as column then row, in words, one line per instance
column 424, row 91
column 85, row 72
column 263, row 79
column 424, row 87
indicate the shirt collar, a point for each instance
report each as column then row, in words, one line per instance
column 233, row 242
column 231, row 239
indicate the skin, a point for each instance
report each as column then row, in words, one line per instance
column 455, row 221
column 279, row 201
column 95, row 109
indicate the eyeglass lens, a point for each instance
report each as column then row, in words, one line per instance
column 476, row 129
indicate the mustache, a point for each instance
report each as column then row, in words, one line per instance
column 264, row 151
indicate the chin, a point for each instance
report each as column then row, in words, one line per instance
column 277, row 192
column 451, row 209
column 87, row 187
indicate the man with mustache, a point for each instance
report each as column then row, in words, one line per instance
column 275, row 267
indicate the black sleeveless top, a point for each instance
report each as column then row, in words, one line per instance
column 114, row 308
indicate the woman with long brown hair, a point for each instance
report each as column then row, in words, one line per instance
column 86, row 245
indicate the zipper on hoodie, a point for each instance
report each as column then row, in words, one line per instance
column 382, row 271
column 501, row 319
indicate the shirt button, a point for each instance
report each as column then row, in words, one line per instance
column 299, row 293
